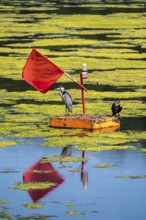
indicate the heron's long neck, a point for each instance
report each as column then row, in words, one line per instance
column 61, row 93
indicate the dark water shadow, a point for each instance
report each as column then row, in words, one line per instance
column 12, row 85
column 95, row 87
column 133, row 124
column 14, row 40
column 34, row 102
column 77, row 7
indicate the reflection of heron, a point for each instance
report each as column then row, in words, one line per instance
column 66, row 98
column 116, row 108
column 67, row 151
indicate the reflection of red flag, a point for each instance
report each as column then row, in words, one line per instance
column 42, row 172
column 40, row 72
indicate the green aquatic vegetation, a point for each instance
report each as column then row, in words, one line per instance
column 135, row 108
column 8, row 171
column 32, row 185
column 133, row 177
column 63, row 42
column 24, row 118
column 100, row 140
column 131, row 77
column 124, row 177
column 76, row 171
column 103, row 166
column 50, row 159
column 32, row 133
column 40, row 171
column 89, row 21
column 96, row 108
column 137, row 177
column 3, row 202
column 4, row 143
column 33, row 205
column 70, row 204
column 73, row 212
column 19, row 131
column 106, row 148
column 64, row 167
column 143, row 150
column 54, row 132
column 34, row 109
column 85, row 143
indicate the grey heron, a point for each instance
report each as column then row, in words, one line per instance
column 66, row 98
column 116, row 108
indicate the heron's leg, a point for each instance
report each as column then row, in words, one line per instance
column 66, row 111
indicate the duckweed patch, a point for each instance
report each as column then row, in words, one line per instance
column 106, row 148
column 103, row 166
column 7, row 143
column 133, row 177
column 3, row 202
column 33, row 206
column 73, row 212
column 70, row 204
column 65, row 167
column 50, row 159
column 32, row 185
column 143, row 150
column 100, row 140
column 41, row 171
column 9, row 171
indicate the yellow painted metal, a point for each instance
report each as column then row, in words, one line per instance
column 84, row 121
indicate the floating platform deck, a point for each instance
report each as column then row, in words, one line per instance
column 91, row 122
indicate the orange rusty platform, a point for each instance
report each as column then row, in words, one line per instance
column 91, row 122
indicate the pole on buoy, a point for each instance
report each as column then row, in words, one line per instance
column 83, row 75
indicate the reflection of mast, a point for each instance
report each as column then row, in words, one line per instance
column 42, row 172
column 84, row 175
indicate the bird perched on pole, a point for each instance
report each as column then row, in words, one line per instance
column 116, row 108
column 66, row 98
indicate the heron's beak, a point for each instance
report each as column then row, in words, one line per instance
column 57, row 89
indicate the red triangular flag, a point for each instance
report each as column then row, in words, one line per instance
column 40, row 72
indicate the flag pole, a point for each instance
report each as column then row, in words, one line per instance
column 83, row 75
column 82, row 87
